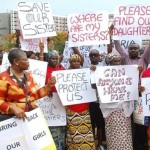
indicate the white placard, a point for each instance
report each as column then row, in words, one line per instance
column 53, row 110
column 36, row 19
column 89, row 28
column 74, row 87
column 31, row 134
column 84, row 51
column 146, row 96
column 33, row 44
column 117, row 83
column 36, row 131
column 38, row 70
column 125, row 44
column 130, row 22
column 5, row 63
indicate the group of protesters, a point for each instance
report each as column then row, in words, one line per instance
column 87, row 122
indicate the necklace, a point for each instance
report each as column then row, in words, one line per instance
column 18, row 76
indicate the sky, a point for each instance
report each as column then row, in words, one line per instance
column 65, row 7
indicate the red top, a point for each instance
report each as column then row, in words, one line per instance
column 146, row 73
column 49, row 74
column 78, row 107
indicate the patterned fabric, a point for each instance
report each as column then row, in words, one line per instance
column 59, row 136
column 118, row 131
column 11, row 93
column 75, row 57
column 112, row 56
column 79, row 131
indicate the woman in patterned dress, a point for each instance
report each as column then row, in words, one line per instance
column 79, row 129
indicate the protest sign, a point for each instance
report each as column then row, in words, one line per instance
column 138, row 115
column 36, row 19
column 84, row 51
column 12, row 135
column 125, row 44
column 53, row 110
column 146, row 96
column 38, row 70
column 73, row 86
column 33, row 134
column 88, row 28
column 131, row 21
column 36, row 131
column 5, row 63
column 33, row 44
column 117, row 83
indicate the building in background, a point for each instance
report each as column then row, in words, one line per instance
column 4, row 24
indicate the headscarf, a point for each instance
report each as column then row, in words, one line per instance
column 111, row 56
column 53, row 53
column 75, row 57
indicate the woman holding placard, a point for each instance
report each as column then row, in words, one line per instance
column 117, row 116
column 18, row 90
column 79, row 128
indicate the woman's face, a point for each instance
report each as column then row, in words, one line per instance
column 22, row 63
column 115, row 61
column 75, row 64
column 33, row 56
column 53, row 61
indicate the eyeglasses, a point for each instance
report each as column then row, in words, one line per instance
column 133, row 48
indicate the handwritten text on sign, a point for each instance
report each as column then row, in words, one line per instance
column 88, row 29
column 117, row 83
column 33, row 44
column 38, row 72
column 132, row 22
column 28, row 135
column 36, row 20
column 146, row 96
column 53, row 110
column 73, row 86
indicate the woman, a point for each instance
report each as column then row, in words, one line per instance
column 79, row 133
column 58, row 132
column 117, row 117
column 18, row 90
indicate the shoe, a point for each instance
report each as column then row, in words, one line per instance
column 101, row 147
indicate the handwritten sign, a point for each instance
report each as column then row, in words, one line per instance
column 88, row 28
column 53, row 110
column 5, row 63
column 31, row 134
column 33, row 44
column 131, row 22
column 146, row 96
column 36, row 19
column 117, row 83
column 125, row 43
column 84, row 51
column 73, row 86
column 38, row 69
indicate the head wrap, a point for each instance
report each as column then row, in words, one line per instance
column 111, row 56
column 53, row 53
column 75, row 57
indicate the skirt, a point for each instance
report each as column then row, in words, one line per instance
column 79, row 131
column 118, row 131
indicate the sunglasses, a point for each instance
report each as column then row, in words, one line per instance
column 94, row 55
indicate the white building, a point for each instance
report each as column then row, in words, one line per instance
column 60, row 22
